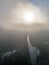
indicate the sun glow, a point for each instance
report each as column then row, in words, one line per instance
column 28, row 17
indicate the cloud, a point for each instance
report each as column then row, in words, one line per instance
column 21, row 7
column 11, row 13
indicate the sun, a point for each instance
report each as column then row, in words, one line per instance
column 28, row 17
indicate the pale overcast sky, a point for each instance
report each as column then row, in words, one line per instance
column 6, row 5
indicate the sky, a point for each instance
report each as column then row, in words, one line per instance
column 11, row 8
column 12, row 12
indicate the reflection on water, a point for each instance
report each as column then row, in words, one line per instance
column 33, row 51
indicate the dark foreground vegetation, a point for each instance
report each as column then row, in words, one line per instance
column 19, row 59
